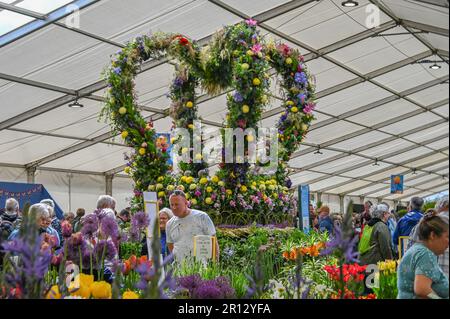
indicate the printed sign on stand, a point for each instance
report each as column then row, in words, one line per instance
column 205, row 248
column 304, row 197
column 397, row 182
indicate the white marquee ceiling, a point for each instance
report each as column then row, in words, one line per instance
column 375, row 102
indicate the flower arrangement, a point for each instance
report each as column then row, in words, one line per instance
column 387, row 280
column 238, row 58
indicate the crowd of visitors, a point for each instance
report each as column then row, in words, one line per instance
column 418, row 239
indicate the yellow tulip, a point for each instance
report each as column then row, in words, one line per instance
column 245, row 109
column 215, row 179
column 294, row 109
column 130, row 295
column 54, row 293
column 209, row 189
column 122, row 110
column 289, row 61
column 142, row 151
column 189, row 105
column 208, row 201
column 101, row 290
column 124, row 134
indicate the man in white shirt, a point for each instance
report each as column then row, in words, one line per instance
column 185, row 225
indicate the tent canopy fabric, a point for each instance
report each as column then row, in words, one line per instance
column 381, row 109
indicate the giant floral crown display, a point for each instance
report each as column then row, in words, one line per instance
column 238, row 58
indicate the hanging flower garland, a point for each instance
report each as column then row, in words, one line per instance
column 237, row 58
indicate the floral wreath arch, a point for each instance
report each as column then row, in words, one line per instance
column 237, row 58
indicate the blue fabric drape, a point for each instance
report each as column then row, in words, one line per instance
column 26, row 193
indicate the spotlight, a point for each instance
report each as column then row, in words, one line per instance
column 435, row 66
column 414, row 171
column 350, row 4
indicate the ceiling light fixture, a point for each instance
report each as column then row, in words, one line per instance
column 318, row 152
column 76, row 104
column 350, row 4
column 414, row 171
column 376, row 162
column 435, row 66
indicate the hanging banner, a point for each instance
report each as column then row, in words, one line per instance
column 164, row 144
column 303, row 214
column 397, row 184
column 26, row 193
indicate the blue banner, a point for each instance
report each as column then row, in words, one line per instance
column 397, row 182
column 26, row 193
column 304, row 196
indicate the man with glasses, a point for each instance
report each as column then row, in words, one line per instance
column 185, row 225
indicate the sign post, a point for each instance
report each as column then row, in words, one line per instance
column 303, row 208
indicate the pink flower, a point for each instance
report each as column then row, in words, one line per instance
column 257, row 48
column 251, row 22
column 309, row 108
column 232, row 203
column 284, row 49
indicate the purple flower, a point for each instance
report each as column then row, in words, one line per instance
column 302, row 97
column 257, row 48
column 106, row 249
column 140, row 220
column 198, row 193
column 34, row 261
column 309, row 108
column 300, row 77
column 66, row 229
column 342, row 246
column 118, row 70
column 207, row 290
column 238, row 98
column 251, row 22
column 189, row 282
column 90, row 225
column 178, row 82
column 109, row 227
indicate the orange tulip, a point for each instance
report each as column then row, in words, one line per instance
column 133, row 261
column 142, row 259
column 286, row 255
column 127, row 267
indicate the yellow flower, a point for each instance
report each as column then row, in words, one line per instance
column 184, row 150
column 199, row 157
column 289, row 103
column 54, row 293
column 151, row 188
column 262, row 187
column 229, row 192
column 215, row 179
column 245, row 109
column 181, row 188
column 264, row 99
column 188, row 196
column 208, row 201
column 194, row 202
column 221, row 184
column 122, row 110
column 190, row 180
column 82, row 291
column 189, row 105
column 127, row 170
column 256, row 82
column 209, row 189
column 101, row 290
column 160, row 179
column 244, row 189
column 159, row 187
column 124, row 134
column 294, row 109
column 170, row 188
column 191, row 126
column 289, row 61
column 250, row 138
column 130, row 295
column 183, row 179
column 203, row 180
column 271, row 187
column 142, row 151
column 161, row 194
column 193, row 187
column 250, row 53
column 86, row 280
column 245, row 66
column 304, row 127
